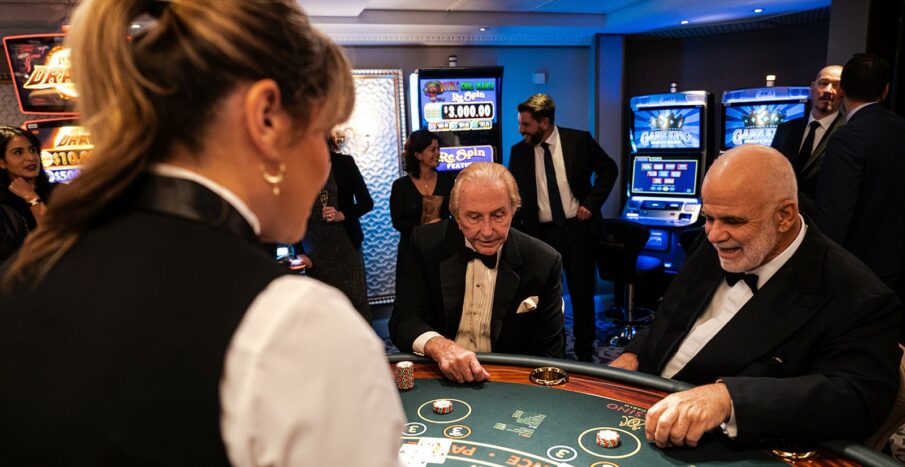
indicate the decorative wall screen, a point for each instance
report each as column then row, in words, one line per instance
column 374, row 136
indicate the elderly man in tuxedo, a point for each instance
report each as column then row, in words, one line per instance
column 804, row 142
column 476, row 285
column 787, row 334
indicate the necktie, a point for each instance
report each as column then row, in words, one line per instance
column 559, row 215
column 807, row 147
column 733, row 277
column 469, row 255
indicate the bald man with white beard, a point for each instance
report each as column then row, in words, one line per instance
column 787, row 334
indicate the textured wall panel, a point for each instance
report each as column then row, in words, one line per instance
column 374, row 137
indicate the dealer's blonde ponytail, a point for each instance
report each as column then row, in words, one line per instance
column 139, row 97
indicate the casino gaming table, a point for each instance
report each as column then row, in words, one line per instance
column 510, row 421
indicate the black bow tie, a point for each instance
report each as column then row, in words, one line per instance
column 469, row 255
column 733, row 277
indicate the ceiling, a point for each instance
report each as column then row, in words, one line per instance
column 459, row 22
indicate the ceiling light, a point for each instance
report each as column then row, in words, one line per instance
column 758, row 10
column 684, row 21
column 483, row 29
column 136, row 26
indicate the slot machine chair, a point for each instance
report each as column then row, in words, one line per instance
column 619, row 260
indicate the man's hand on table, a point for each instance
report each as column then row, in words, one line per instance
column 626, row 361
column 681, row 418
column 457, row 363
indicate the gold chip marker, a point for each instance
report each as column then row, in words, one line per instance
column 548, row 376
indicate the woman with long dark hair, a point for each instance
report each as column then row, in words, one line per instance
column 143, row 323
column 24, row 188
column 422, row 196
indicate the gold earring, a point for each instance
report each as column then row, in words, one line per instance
column 274, row 180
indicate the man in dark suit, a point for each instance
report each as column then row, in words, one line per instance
column 553, row 167
column 861, row 188
column 803, row 141
column 475, row 285
column 789, row 335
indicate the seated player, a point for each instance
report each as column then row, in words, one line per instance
column 803, row 347
column 476, row 285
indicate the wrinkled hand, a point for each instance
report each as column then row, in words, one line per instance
column 330, row 214
column 457, row 363
column 22, row 189
column 626, row 361
column 681, row 418
column 583, row 213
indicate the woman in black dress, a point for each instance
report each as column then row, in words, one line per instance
column 23, row 187
column 332, row 246
column 422, row 196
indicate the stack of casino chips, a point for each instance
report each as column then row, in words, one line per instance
column 607, row 438
column 405, row 375
column 443, row 406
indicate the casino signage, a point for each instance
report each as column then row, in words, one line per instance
column 66, row 149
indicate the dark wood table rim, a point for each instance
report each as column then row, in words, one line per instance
column 586, row 378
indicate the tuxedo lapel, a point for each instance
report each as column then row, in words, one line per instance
column 507, row 282
column 782, row 306
column 568, row 153
column 452, row 277
column 684, row 315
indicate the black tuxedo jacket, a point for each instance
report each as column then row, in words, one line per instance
column 813, row 353
column 861, row 190
column 354, row 200
column 432, row 291
column 788, row 141
column 583, row 158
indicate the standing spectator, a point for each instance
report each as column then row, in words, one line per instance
column 332, row 246
column 553, row 167
column 860, row 194
column 422, row 196
column 24, row 188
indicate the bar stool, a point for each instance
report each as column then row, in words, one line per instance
column 619, row 260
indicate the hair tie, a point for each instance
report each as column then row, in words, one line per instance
column 157, row 7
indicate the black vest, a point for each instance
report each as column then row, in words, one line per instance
column 115, row 357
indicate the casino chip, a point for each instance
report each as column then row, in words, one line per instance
column 443, row 406
column 607, row 438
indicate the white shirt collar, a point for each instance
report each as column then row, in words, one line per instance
column 766, row 271
column 825, row 122
column 554, row 137
column 167, row 170
column 856, row 109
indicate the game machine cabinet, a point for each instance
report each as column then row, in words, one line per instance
column 750, row 116
column 463, row 107
column 669, row 154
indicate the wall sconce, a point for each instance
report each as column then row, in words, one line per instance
column 453, row 61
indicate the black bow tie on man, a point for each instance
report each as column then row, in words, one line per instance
column 469, row 255
column 733, row 277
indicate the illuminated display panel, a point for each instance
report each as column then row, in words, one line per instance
column 653, row 175
column 667, row 128
column 64, row 146
column 462, row 106
column 39, row 65
column 756, row 122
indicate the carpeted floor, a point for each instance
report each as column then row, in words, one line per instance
column 605, row 353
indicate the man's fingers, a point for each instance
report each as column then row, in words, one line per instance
column 678, row 432
column 664, row 427
column 650, row 423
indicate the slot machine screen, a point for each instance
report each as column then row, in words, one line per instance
column 652, row 175
column 756, row 122
column 39, row 65
column 64, row 146
column 659, row 128
column 462, row 106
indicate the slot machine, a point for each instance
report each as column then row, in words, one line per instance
column 463, row 107
column 669, row 153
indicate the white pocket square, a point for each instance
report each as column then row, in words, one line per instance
column 528, row 304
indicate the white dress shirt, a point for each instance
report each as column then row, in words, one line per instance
column 570, row 203
column 819, row 132
column 303, row 375
column 477, row 309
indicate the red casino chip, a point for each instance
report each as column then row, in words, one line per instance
column 607, row 438
column 443, row 407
